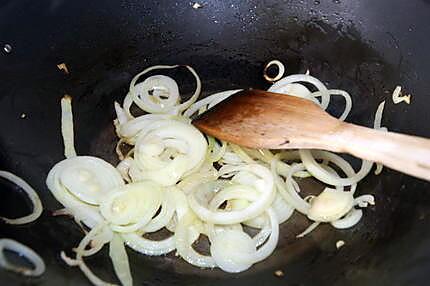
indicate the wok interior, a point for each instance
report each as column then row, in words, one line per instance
column 107, row 48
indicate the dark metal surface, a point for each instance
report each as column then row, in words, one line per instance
column 365, row 47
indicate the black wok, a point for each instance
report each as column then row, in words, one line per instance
column 365, row 47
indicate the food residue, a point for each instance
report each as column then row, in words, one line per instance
column 340, row 243
column 279, row 273
column 63, row 67
column 197, row 5
column 399, row 97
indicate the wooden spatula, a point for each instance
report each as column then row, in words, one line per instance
column 261, row 119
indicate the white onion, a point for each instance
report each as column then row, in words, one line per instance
column 351, row 219
column 235, row 251
column 288, row 191
column 280, row 85
column 398, row 97
column 309, row 229
column 330, row 205
column 31, row 194
column 229, row 245
column 377, row 125
column 184, row 240
column 120, row 260
column 151, row 144
column 24, row 251
column 348, row 100
column 102, row 176
column 323, row 175
column 132, row 206
column 173, row 181
column 147, row 246
column 264, row 185
column 281, row 71
column 209, row 102
column 67, row 126
column 140, row 93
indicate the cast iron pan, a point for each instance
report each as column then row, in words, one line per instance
column 366, row 47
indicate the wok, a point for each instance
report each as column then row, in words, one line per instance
column 365, row 47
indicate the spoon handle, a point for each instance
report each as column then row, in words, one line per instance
column 404, row 153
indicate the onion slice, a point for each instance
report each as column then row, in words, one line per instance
column 22, row 250
column 120, row 260
column 67, row 126
column 32, row 195
column 281, row 70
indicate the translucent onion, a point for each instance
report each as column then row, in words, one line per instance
column 147, row 246
column 208, row 102
column 31, row 194
column 235, row 251
column 279, row 87
column 67, row 126
column 281, row 71
column 194, row 185
column 348, row 100
column 79, row 183
column 330, row 205
column 323, row 175
column 264, row 186
column 131, row 207
column 23, row 251
column 184, row 239
column 120, row 260
column 351, row 219
column 377, row 125
column 189, row 143
column 168, row 102
column 398, row 97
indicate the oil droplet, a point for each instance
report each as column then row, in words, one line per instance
column 7, row 48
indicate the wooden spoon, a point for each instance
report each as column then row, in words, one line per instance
column 261, row 119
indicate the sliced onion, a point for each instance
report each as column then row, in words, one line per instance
column 323, row 175
column 280, row 85
column 67, row 126
column 377, row 125
column 147, row 246
column 288, row 189
column 264, row 186
column 281, row 71
column 132, row 206
column 348, row 100
column 140, row 93
column 31, row 194
column 229, row 245
column 309, row 229
column 129, row 130
column 151, row 144
column 351, row 219
column 235, row 251
column 165, row 214
column 398, row 97
column 184, row 239
column 330, row 205
column 208, row 102
column 120, row 260
column 173, row 182
column 22, row 250
column 87, row 178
